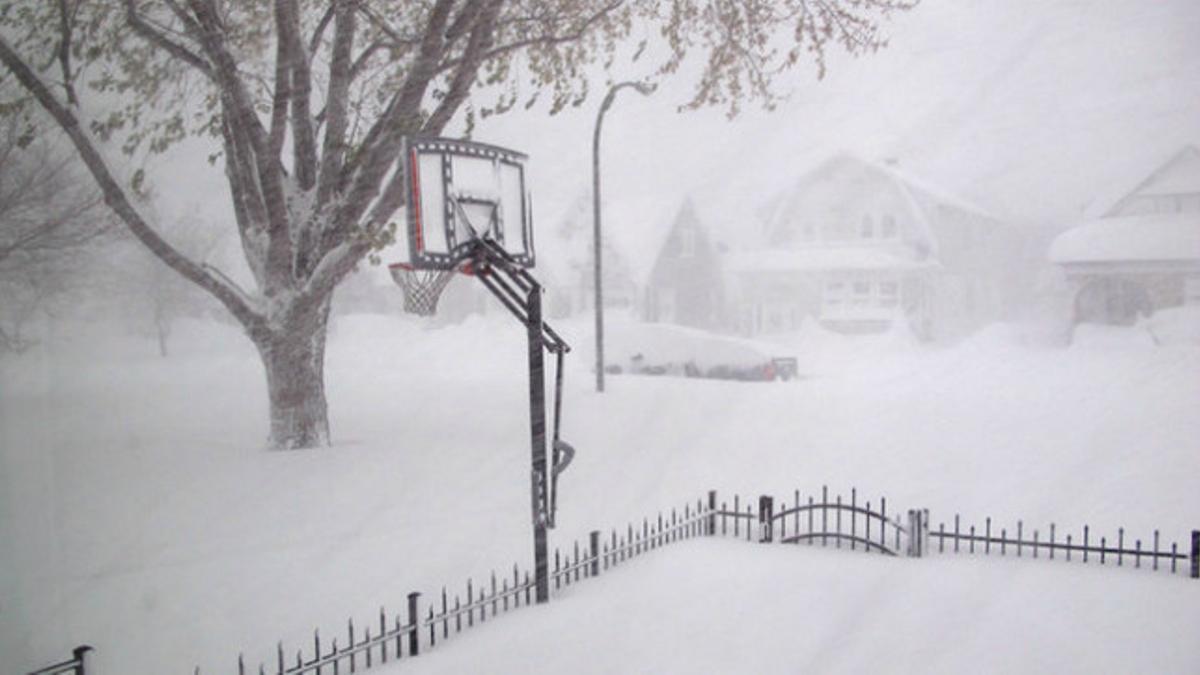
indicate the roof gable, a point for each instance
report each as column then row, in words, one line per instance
column 1180, row 174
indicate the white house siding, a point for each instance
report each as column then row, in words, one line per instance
column 878, row 247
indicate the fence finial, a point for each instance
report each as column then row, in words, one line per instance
column 1196, row 554
column 414, row 620
column 766, row 513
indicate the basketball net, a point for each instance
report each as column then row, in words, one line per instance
column 422, row 288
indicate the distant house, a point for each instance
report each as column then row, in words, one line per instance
column 860, row 246
column 1142, row 252
column 685, row 284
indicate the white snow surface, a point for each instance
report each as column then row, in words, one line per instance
column 139, row 512
column 1157, row 237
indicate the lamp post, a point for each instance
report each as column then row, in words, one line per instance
column 645, row 90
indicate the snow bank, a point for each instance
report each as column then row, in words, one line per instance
column 1098, row 336
column 140, row 513
column 720, row 607
column 1177, row 325
column 1173, row 236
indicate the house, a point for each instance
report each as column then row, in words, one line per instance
column 860, row 246
column 1142, row 251
column 685, row 283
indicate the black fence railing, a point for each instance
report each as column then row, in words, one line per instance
column 1085, row 549
column 830, row 522
column 76, row 665
column 451, row 614
column 849, row 523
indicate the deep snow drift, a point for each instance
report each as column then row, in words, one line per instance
column 140, row 513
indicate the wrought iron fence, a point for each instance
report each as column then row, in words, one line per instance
column 841, row 523
column 450, row 614
column 854, row 524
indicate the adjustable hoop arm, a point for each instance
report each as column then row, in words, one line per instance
column 520, row 293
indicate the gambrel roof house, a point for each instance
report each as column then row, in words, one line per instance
column 1142, row 252
column 860, row 245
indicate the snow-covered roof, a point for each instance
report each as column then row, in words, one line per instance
column 934, row 192
column 919, row 196
column 1156, row 237
column 1179, row 174
column 822, row 258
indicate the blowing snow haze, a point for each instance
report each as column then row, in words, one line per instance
column 961, row 273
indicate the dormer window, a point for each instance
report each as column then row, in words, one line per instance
column 867, row 229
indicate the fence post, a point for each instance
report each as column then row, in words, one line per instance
column 594, row 547
column 712, row 512
column 1196, row 554
column 915, row 533
column 82, row 655
column 414, row 620
column 766, row 509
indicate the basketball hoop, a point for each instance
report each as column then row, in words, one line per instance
column 422, row 288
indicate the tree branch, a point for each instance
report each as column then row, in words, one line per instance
column 386, row 28
column 115, row 197
column 364, row 174
column 64, row 52
column 482, row 32
column 239, row 112
column 314, row 42
column 340, row 69
column 156, row 37
column 542, row 40
column 304, row 144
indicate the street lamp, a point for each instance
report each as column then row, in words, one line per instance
column 645, row 90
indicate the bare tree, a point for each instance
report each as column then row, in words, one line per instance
column 310, row 100
column 134, row 285
column 48, row 217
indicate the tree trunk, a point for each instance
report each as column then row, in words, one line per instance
column 162, row 326
column 294, row 359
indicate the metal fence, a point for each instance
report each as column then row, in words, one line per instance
column 451, row 613
column 837, row 522
column 856, row 525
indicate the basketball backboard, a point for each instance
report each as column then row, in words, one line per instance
column 459, row 192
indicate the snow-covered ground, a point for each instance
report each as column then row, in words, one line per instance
column 140, row 513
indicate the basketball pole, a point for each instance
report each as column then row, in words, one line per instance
column 537, row 423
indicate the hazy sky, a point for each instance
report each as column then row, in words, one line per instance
column 1032, row 108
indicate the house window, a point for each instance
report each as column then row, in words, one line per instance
column 687, row 242
column 867, row 229
column 835, row 292
column 889, row 294
column 861, row 296
column 887, row 229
